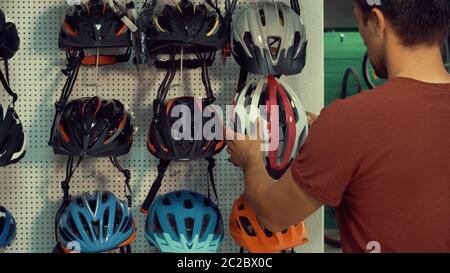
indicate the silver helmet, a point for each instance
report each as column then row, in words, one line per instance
column 270, row 38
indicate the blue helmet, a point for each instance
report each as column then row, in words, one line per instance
column 7, row 228
column 184, row 222
column 95, row 223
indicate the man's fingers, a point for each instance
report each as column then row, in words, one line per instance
column 258, row 128
column 311, row 118
column 230, row 134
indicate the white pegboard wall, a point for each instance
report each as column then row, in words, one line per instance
column 31, row 189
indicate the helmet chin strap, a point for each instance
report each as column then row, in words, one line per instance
column 295, row 5
column 96, row 71
column 181, row 69
column 127, row 173
column 73, row 67
column 5, row 83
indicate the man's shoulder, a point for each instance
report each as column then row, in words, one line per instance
column 367, row 101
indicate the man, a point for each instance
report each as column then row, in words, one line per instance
column 381, row 157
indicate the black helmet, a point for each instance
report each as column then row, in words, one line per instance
column 93, row 127
column 94, row 25
column 9, row 38
column 12, row 137
column 187, row 24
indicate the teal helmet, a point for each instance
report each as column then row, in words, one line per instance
column 184, row 222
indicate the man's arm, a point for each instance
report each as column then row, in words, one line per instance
column 278, row 204
column 322, row 170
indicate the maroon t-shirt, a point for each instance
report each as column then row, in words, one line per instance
column 383, row 159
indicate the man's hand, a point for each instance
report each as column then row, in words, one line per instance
column 244, row 151
column 266, row 198
column 311, row 118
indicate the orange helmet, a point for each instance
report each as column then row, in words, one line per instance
column 248, row 233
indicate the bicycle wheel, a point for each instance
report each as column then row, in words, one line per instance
column 345, row 82
column 370, row 76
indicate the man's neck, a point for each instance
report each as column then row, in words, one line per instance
column 422, row 63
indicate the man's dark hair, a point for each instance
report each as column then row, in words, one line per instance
column 415, row 21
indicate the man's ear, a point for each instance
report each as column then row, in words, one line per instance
column 379, row 22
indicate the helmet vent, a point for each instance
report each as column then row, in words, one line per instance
column 79, row 202
column 2, row 223
column 73, row 227
column 173, row 223
column 297, row 39
column 207, row 202
column 274, row 45
column 105, row 222
column 92, row 204
column 268, row 233
column 189, row 223
column 205, row 223
column 157, row 225
column 281, row 17
column 238, row 225
column 248, row 39
column 262, row 15
column 178, row 193
column 86, row 228
column 284, row 231
column 118, row 214
column 187, row 204
column 96, row 227
column 218, row 230
column 241, row 207
column 166, row 201
column 247, row 226
column 105, row 197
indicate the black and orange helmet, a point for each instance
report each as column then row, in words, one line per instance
column 186, row 24
column 165, row 145
column 94, row 25
column 93, row 127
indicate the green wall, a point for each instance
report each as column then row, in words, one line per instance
column 340, row 54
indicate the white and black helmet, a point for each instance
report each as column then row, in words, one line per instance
column 12, row 137
column 270, row 38
column 289, row 131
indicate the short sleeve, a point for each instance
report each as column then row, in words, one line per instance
column 328, row 159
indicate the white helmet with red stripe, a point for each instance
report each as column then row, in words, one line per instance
column 253, row 102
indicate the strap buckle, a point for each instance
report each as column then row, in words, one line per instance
column 226, row 52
